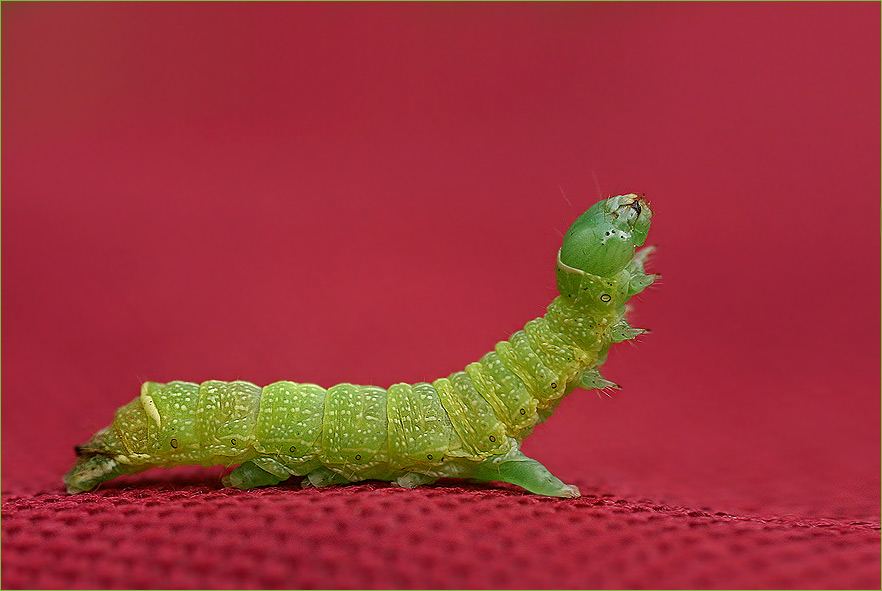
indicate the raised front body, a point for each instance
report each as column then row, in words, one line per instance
column 469, row 424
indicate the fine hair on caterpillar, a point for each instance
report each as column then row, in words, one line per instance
column 469, row 424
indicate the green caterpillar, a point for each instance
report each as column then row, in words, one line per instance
column 467, row 425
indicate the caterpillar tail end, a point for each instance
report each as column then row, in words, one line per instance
column 570, row 491
column 516, row 468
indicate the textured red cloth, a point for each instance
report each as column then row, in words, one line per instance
column 372, row 193
column 374, row 536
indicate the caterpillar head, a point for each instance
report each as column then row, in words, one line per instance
column 602, row 241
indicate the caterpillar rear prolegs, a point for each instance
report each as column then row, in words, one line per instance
column 516, row 468
column 467, row 425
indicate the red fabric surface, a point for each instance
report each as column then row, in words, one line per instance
column 376, row 193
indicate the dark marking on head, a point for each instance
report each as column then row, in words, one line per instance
column 635, row 205
column 79, row 450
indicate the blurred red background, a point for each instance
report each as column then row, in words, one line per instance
column 376, row 193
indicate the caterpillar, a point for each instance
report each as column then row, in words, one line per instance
column 467, row 425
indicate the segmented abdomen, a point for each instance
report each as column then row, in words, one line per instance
column 365, row 431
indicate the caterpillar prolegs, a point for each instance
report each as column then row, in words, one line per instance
column 467, row 425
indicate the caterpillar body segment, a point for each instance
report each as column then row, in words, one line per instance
column 467, row 425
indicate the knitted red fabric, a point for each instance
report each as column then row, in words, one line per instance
column 372, row 193
column 370, row 536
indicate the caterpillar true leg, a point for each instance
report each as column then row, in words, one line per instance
column 467, row 425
